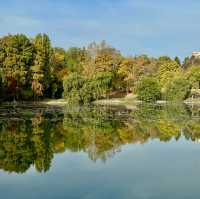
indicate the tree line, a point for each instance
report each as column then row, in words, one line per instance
column 32, row 69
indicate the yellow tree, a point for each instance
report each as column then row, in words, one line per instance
column 132, row 68
column 167, row 71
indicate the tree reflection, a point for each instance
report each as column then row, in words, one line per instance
column 32, row 139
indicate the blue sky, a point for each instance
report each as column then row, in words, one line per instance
column 154, row 27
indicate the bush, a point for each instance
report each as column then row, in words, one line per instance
column 177, row 89
column 148, row 89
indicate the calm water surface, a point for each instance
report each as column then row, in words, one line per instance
column 99, row 152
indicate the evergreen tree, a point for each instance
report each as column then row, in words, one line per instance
column 186, row 63
column 177, row 60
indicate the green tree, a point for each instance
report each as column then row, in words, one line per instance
column 72, row 85
column 96, row 87
column 59, row 71
column 82, row 90
column 193, row 75
column 177, row 60
column 177, row 89
column 164, row 59
column 75, row 58
column 186, row 63
column 148, row 89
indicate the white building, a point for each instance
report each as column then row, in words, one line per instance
column 196, row 54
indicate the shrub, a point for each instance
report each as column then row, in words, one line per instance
column 148, row 89
column 177, row 89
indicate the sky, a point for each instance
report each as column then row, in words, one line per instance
column 153, row 27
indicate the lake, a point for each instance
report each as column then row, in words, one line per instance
column 149, row 152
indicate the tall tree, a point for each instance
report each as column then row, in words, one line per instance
column 59, row 71
column 16, row 57
column 41, row 68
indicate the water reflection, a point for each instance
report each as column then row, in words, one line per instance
column 32, row 135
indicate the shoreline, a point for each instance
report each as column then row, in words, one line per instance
column 129, row 102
